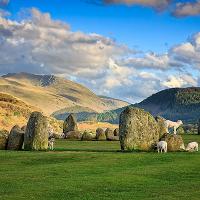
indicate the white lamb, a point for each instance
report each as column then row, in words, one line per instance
column 171, row 124
column 162, row 146
column 192, row 146
column 51, row 143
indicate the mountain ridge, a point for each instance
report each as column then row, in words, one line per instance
column 51, row 93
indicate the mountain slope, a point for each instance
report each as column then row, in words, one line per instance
column 13, row 111
column 174, row 104
column 114, row 102
column 51, row 93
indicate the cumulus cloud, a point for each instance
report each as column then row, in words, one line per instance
column 176, row 8
column 189, row 52
column 39, row 44
column 156, row 4
column 118, row 75
column 187, row 9
column 149, row 60
column 180, row 81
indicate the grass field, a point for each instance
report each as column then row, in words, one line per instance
column 97, row 170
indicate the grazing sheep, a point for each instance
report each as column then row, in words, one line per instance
column 171, row 124
column 162, row 146
column 192, row 146
column 51, row 143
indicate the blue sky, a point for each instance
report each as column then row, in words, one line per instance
column 126, row 49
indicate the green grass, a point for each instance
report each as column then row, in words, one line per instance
column 97, row 170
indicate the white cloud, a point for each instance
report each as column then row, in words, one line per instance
column 147, row 75
column 187, row 9
column 178, row 8
column 156, row 4
column 41, row 41
column 189, row 52
column 180, row 81
column 118, row 76
column 149, row 60
column 39, row 44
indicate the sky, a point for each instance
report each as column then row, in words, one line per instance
column 126, row 49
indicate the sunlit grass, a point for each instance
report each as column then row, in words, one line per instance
column 98, row 170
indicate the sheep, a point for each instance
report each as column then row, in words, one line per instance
column 162, row 146
column 51, row 143
column 171, row 124
column 192, row 146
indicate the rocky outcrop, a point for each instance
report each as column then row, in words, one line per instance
column 174, row 142
column 70, row 124
column 15, row 139
column 36, row 134
column 100, row 134
column 138, row 130
column 73, row 135
column 3, row 139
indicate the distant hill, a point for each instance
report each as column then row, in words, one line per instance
column 174, row 104
column 81, row 113
column 85, row 113
column 50, row 93
column 112, row 102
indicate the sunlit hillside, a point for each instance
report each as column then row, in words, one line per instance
column 13, row 111
column 50, row 93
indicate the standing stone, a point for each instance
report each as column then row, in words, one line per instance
column 113, row 138
column 109, row 134
column 180, row 131
column 23, row 128
column 3, row 139
column 116, row 132
column 161, row 126
column 100, row 134
column 70, row 124
column 174, row 142
column 15, row 139
column 50, row 131
column 138, row 130
column 73, row 135
column 36, row 135
column 88, row 136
